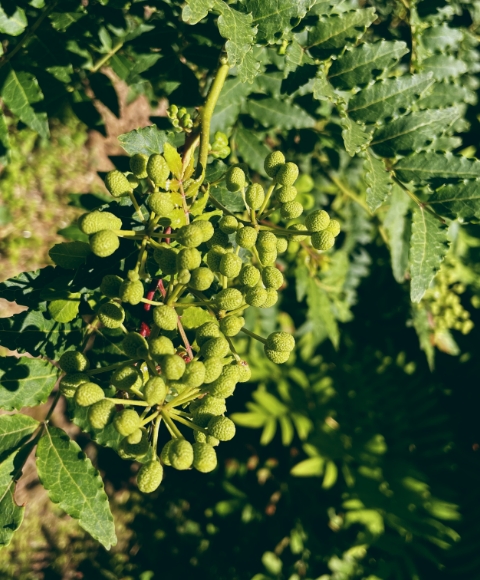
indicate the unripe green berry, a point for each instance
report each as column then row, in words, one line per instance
column 214, row 257
column 224, row 386
column 250, row 275
column 207, row 331
column 334, row 228
column 138, row 165
column 134, row 345
column 180, row 454
column 110, row 286
column 287, row 174
column 165, row 317
column 190, row 236
column 273, row 162
column 73, row 361
column 201, row 279
column 95, row 221
column 203, row 438
column 188, row 259
column 111, row 315
column 276, row 356
column 166, row 258
column 157, row 170
column 135, row 437
column 272, row 277
column 215, row 347
column 101, row 413
column 244, row 372
column 266, row 241
column 212, row 406
column 230, row 265
column 222, row 428
column 126, row 422
column 218, row 239
column 69, row 383
column 127, row 377
column 160, row 203
column 150, row 476
column 291, row 210
column 204, row 457
column 235, row 179
column 317, row 220
column 135, row 445
column 281, row 341
column 194, row 374
column 165, row 451
column 133, row 275
column 282, row 245
column 173, row 367
column 228, row 224
column 323, row 240
column 213, row 369
column 88, row 393
column 104, row 243
column 133, row 180
column 231, row 325
column 155, row 391
column 206, row 228
column 256, row 296
column 229, row 299
column 298, row 228
column 267, row 258
column 286, row 193
column 255, row 196
column 272, row 298
column 246, row 237
column 117, row 184
column 131, row 292
column 160, row 346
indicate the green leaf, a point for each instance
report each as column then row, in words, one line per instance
column 438, row 38
column 64, row 310
column 70, row 255
column 194, row 316
column 279, row 114
column 62, row 20
column 233, row 201
column 356, row 66
column 270, row 403
column 26, row 288
column 459, row 200
column 428, row 247
column 147, row 140
column 275, row 18
column 399, row 232
column 311, row 467
column 331, row 475
column 446, row 94
column 431, row 165
column 336, row 31
column 107, row 437
column 303, row 425
column 384, row 98
column 19, row 90
column 13, row 24
column 229, row 104
column 412, row 132
column 424, row 332
column 354, row 136
column 444, row 66
column 269, row 430
column 196, row 10
column 320, row 313
column 287, row 430
column 72, row 482
column 4, row 137
column 252, row 150
column 25, row 382
column 11, row 515
column 379, row 183
column 173, row 159
column 250, row 420
column 15, row 430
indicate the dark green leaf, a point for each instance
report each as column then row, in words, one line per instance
column 430, row 165
column 107, row 437
column 320, row 313
column 461, row 200
column 148, row 140
column 399, row 230
column 11, row 515
column 232, row 201
column 15, row 430
column 424, row 332
column 446, row 94
column 252, row 150
column 355, row 137
column 378, row 181
column 275, row 18
column 279, row 114
column 228, row 106
column 70, row 255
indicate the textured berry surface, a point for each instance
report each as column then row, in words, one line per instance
column 134, row 345
column 231, row 325
column 334, row 228
column 230, row 265
column 222, row 428
column 250, row 275
column 180, row 454
column 111, row 315
column 229, row 299
column 188, row 259
column 276, row 356
column 272, row 277
column 281, row 341
column 70, row 383
column 101, row 413
column 166, row 258
column 286, row 193
column 88, row 393
column 228, row 224
column 215, row 347
column 323, row 240
column 157, row 170
column 138, row 165
column 110, row 285
column 131, row 291
column 201, row 279
column 255, row 196
column 266, row 241
column 127, row 377
column 194, row 374
column 256, row 296
column 173, row 367
column 246, row 237
column 207, row 331
column 117, row 184
column 73, row 361
column 235, row 179
column 213, row 369
column 95, row 221
column 317, row 220
column 161, row 204
column 126, row 422
column 291, row 210
column 165, row 317
column 155, row 391
column 190, row 236
column 150, row 476
column 160, row 346
column 204, row 457
column 287, row 174
column 104, row 243
column 272, row 298
column 273, row 162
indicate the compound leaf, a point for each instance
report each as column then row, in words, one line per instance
column 251, row 149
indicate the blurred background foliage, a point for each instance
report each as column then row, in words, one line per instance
column 359, row 459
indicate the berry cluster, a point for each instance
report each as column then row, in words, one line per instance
column 222, row 264
column 180, row 119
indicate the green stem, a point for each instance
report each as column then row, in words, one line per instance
column 106, row 57
column 156, row 429
column 420, row 203
column 183, row 398
column 344, row 189
column 266, row 200
column 137, row 207
column 128, row 402
column 150, row 418
column 170, row 424
column 52, row 406
column 111, row 367
column 188, row 423
column 253, row 335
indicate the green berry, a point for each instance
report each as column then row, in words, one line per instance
column 138, row 165
column 134, row 345
column 155, row 391
column 101, row 413
column 214, row 257
column 267, row 258
column 215, row 347
column 127, row 377
column 133, row 275
column 188, row 259
column 157, row 170
column 73, row 361
column 298, row 228
column 246, row 237
column 166, row 258
column 95, row 221
column 287, row 174
column 266, row 241
column 149, row 476
column 135, row 445
column 160, row 346
column 104, row 243
column 213, row 369
column 211, row 405
column 273, row 162
column 204, row 457
column 255, row 196
column 272, row 277
column 190, row 236
column 282, row 245
column 160, row 203
column 218, row 239
column 207, row 331
column 334, row 228
column 286, row 193
column 206, row 228
column 180, row 454
column 111, row 315
column 272, row 298
column 317, row 220
column 235, row 179
column 281, row 341
column 231, row 325
column 88, row 393
column 201, row 279
column 230, row 265
column 228, row 224
column 256, row 296
column 110, row 286
column 224, row 386
column 194, row 374
column 133, row 181
column 229, row 299
column 323, row 240
column 173, row 367
column 291, row 210
column 201, row 437
column 165, row 452
column 165, row 317
column 244, row 372
column 276, row 356
column 222, row 428
column 126, row 422
column 69, row 383
column 117, row 183
column 250, row 275
column 131, row 291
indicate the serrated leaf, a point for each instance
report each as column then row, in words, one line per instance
column 355, row 137
column 460, row 200
column 233, row 201
column 399, row 232
column 334, row 32
column 13, row 24
column 444, row 66
column 356, row 66
column 252, row 150
column 64, row 310
column 228, row 105
column 438, row 38
column 279, row 114
column 177, row 218
column 428, row 247
column 275, row 18
column 269, row 430
column 412, row 132
column 194, row 316
column 173, row 159
column 25, row 382
column 424, row 333
column 446, row 94
column 70, row 255
column 384, row 98
column 11, row 515
column 311, row 467
column 147, row 140
column 196, row 10
column 320, row 313
column 432, row 166
column 20, row 90
column 379, row 183
column 72, row 482
column 15, row 430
